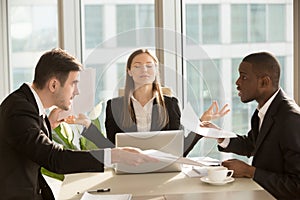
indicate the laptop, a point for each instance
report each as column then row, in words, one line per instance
column 170, row 142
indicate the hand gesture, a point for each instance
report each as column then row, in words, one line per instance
column 213, row 112
column 207, row 124
column 80, row 119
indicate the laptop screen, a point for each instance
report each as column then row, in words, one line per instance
column 166, row 141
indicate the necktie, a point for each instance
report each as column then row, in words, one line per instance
column 45, row 127
column 255, row 124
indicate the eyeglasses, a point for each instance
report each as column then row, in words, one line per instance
column 148, row 66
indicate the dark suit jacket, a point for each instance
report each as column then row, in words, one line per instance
column 25, row 147
column 113, row 121
column 276, row 150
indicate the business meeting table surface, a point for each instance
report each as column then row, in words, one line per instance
column 155, row 186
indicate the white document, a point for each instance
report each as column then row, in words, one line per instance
column 88, row 196
column 166, row 157
column 191, row 122
column 84, row 102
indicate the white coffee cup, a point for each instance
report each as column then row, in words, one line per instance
column 219, row 174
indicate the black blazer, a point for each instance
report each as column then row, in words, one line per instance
column 25, row 147
column 113, row 120
column 276, row 150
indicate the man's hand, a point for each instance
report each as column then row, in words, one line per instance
column 213, row 112
column 207, row 124
column 53, row 117
column 130, row 156
column 240, row 168
column 80, row 119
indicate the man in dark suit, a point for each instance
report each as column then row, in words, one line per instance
column 25, row 132
column 274, row 138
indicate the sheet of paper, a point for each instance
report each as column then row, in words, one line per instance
column 207, row 161
column 162, row 156
column 166, row 157
column 200, row 171
column 99, row 196
column 84, row 102
column 191, row 122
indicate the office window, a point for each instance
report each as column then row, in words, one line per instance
column 210, row 24
column 212, row 67
column 93, row 26
column 192, row 28
column 239, row 23
column 257, row 23
column 203, row 23
column 33, row 29
column 276, row 23
column 126, row 21
column 113, row 30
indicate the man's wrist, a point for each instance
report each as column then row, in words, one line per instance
column 251, row 171
column 87, row 123
column 107, row 157
column 115, row 155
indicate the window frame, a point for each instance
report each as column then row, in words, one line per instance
column 69, row 24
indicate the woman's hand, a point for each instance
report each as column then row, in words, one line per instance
column 213, row 112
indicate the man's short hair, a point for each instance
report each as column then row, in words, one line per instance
column 55, row 63
column 264, row 63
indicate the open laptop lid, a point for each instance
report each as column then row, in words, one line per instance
column 166, row 141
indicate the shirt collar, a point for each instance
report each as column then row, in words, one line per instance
column 262, row 111
column 150, row 101
column 42, row 111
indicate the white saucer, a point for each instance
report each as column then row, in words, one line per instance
column 206, row 180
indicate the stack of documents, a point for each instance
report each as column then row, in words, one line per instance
column 166, row 157
column 200, row 171
column 88, row 196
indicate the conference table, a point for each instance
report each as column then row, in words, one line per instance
column 159, row 186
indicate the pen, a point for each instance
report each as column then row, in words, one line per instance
column 99, row 190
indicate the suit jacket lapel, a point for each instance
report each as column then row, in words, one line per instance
column 26, row 90
column 48, row 127
column 264, row 130
column 268, row 120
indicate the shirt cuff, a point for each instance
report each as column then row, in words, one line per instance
column 107, row 157
column 225, row 143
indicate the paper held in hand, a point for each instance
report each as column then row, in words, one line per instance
column 191, row 122
column 166, row 157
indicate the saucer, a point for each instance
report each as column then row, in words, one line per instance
column 205, row 179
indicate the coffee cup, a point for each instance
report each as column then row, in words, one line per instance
column 219, row 174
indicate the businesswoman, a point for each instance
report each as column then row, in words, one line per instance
column 143, row 106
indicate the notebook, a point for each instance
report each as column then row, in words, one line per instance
column 166, row 141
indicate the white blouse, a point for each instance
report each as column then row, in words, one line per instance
column 143, row 114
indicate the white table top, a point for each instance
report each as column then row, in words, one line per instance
column 75, row 185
